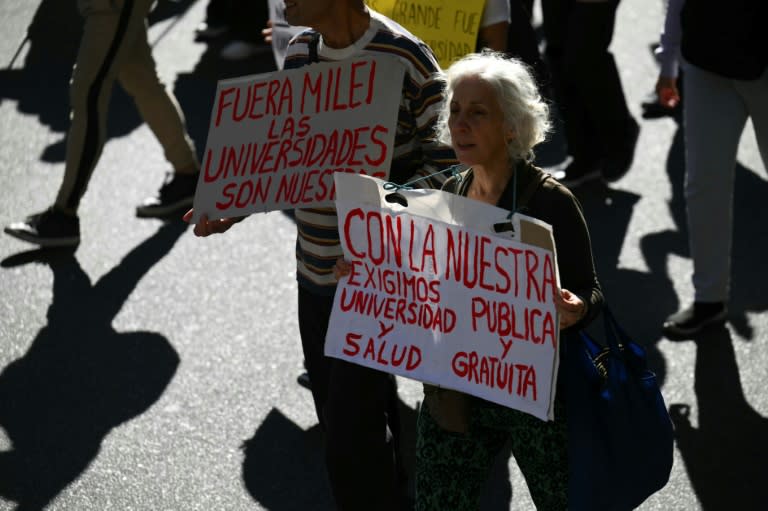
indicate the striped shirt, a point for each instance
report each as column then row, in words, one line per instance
column 415, row 154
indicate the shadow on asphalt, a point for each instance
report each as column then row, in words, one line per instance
column 80, row 378
column 284, row 468
column 41, row 85
column 725, row 456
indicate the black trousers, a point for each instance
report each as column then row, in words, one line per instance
column 585, row 77
column 357, row 410
column 245, row 18
column 523, row 43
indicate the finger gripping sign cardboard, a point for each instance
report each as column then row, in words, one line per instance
column 438, row 293
column 276, row 139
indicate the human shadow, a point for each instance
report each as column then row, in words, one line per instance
column 284, row 468
column 40, row 86
column 80, row 378
column 725, row 456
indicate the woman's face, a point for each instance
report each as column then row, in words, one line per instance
column 476, row 124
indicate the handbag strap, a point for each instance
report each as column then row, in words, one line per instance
column 614, row 333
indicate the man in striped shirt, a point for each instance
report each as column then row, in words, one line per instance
column 356, row 406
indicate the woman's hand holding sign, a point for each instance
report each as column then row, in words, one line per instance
column 570, row 308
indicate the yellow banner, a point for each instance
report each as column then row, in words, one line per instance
column 449, row 27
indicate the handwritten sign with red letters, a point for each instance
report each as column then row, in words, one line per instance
column 276, row 139
column 436, row 295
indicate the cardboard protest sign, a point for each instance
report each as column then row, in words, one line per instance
column 449, row 27
column 437, row 295
column 276, row 139
column 282, row 32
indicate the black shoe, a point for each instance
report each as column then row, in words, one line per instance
column 618, row 158
column 175, row 196
column 653, row 109
column 51, row 228
column 208, row 32
column 695, row 318
column 577, row 173
column 304, row 381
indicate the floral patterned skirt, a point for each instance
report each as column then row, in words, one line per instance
column 451, row 468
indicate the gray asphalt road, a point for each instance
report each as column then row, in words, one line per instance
column 151, row 370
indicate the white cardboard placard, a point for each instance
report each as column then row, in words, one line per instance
column 437, row 295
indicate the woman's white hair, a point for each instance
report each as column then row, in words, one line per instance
column 525, row 111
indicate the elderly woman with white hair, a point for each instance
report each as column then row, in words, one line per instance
column 493, row 116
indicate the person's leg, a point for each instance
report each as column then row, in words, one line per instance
column 593, row 85
column 108, row 36
column 555, row 15
column 541, row 451
column 109, row 31
column 590, row 65
column 714, row 116
column 577, row 125
column 314, row 313
column 361, row 455
column 354, row 406
column 157, row 106
column 248, row 17
column 160, row 110
column 523, row 44
column 452, row 468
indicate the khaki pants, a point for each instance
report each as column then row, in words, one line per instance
column 114, row 46
column 715, row 112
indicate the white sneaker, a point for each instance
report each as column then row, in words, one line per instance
column 238, row 50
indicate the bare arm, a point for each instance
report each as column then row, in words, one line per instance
column 205, row 227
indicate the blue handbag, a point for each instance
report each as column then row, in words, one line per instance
column 620, row 435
